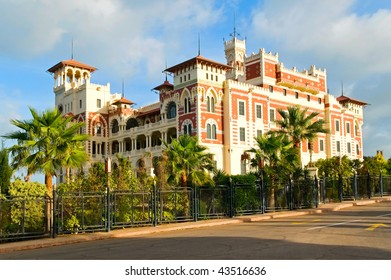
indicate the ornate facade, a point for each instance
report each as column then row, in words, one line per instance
column 226, row 105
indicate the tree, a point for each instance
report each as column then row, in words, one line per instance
column 187, row 160
column 298, row 125
column 46, row 143
column 275, row 156
column 5, row 172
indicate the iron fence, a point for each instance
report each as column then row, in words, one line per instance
column 66, row 213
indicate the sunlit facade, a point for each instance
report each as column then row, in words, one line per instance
column 226, row 105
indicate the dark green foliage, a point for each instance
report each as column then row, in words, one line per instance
column 5, row 172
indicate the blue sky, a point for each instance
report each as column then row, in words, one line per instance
column 133, row 41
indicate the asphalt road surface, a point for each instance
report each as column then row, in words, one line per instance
column 362, row 232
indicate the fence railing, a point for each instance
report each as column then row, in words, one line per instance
column 65, row 213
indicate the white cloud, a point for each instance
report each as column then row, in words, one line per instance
column 126, row 37
column 329, row 30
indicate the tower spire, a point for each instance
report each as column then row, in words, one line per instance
column 72, row 52
column 199, row 45
column 342, row 88
column 234, row 34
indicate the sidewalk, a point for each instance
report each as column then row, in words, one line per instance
column 142, row 231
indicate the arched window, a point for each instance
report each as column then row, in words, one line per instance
column 187, row 105
column 210, row 104
column 115, row 126
column 187, row 129
column 130, row 123
column 98, row 129
column 213, row 131
column 171, row 110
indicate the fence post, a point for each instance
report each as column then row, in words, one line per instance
column 195, row 204
column 154, row 204
column 340, row 187
column 324, row 189
column 231, row 199
column 316, row 191
column 290, row 193
column 381, row 183
column 369, row 190
column 355, row 185
column 54, row 213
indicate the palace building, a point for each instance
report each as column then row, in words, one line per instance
column 225, row 104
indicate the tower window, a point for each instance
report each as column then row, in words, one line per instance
column 242, row 134
column 241, row 108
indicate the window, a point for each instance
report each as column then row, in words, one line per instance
column 217, row 78
column 187, row 129
column 115, row 126
column 171, row 110
column 258, row 108
column 211, row 131
column 130, row 123
column 321, row 145
column 338, row 146
column 214, row 136
column 284, row 92
column 207, row 76
column 98, row 129
column 271, row 88
column 99, row 103
column 180, row 79
column 337, row 125
column 357, row 149
column 241, row 108
column 210, row 104
column 272, row 113
column 187, row 105
column 355, row 130
column 348, row 147
column 242, row 134
column 308, row 98
column 320, row 100
column 348, row 127
column 259, row 133
column 81, row 103
column 296, row 95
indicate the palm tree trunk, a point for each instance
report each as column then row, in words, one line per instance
column 50, row 204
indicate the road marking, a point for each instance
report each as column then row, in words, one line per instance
column 375, row 226
column 333, row 225
column 303, row 223
column 344, row 223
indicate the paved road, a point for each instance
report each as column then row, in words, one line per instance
column 362, row 232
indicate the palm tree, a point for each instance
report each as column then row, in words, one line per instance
column 46, row 143
column 187, row 161
column 300, row 126
column 275, row 156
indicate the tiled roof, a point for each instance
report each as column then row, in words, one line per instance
column 71, row 62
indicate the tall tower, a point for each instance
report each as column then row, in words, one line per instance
column 86, row 102
column 235, row 51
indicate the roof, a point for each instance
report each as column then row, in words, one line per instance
column 194, row 60
column 344, row 99
column 163, row 85
column 71, row 62
column 123, row 100
column 144, row 113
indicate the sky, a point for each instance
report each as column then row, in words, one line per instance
column 131, row 42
